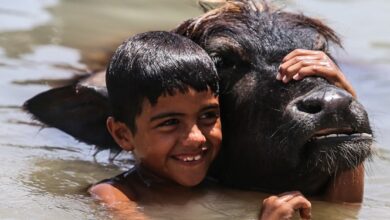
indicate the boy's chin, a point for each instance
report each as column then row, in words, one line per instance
column 191, row 181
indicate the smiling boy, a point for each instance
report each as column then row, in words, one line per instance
column 163, row 90
column 178, row 137
column 165, row 106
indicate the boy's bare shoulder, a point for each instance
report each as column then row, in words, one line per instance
column 115, row 190
column 108, row 194
column 118, row 201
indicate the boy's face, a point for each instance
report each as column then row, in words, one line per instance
column 179, row 137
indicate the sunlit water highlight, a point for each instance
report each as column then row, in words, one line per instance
column 44, row 172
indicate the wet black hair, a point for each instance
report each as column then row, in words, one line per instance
column 153, row 64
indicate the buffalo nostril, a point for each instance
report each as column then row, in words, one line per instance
column 311, row 106
column 328, row 101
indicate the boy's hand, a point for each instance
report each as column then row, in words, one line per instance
column 284, row 206
column 301, row 63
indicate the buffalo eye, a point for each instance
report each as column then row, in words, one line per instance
column 223, row 63
column 227, row 60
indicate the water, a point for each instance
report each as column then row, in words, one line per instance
column 44, row 172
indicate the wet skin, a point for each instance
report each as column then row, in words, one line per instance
column 176, row 139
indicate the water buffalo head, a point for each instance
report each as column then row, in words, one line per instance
column 277, row 136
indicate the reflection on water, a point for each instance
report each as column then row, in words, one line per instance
column 65, row 177
column 45, row 43
column 96, row 27
column 24, row 15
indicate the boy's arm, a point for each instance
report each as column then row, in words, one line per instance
column 284, row 206
column 116, row 201
column 347, row 186
column 301, row 63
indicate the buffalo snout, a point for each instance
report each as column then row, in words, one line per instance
column 326, row 102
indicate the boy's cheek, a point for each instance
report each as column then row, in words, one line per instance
column 217, row 133
column 157, row 144
column 217, row 130
column 216, row 137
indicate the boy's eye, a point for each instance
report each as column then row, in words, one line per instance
column 168, row 123
column 209, row 117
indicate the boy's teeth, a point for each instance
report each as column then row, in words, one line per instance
column 189, row 159
column 204, row 148
column 198, row 157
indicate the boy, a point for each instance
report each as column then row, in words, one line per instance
column 163, row 89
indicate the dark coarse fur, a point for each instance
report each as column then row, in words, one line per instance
column 268, row 126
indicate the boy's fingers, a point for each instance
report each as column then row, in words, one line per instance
column 290, row 193
column 301, row 52
column 288, row 68
column 329, row 73
column 270, row 199
column 285, row 67
column 298, row 59
column 292, row 71
column 303, row 205
column 305, row 213
column 284, row 205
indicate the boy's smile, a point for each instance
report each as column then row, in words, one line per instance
column 178, row 137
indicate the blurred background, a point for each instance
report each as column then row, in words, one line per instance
column 45, row 43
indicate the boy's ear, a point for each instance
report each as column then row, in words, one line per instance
column 121, row 134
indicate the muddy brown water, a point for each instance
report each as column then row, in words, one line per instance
column 44, row 172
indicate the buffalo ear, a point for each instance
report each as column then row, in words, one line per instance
column 78, row 110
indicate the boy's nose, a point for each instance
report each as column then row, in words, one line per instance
column 195, row 138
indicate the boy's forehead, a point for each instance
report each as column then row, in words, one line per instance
column 182, row 100
column 189, row 93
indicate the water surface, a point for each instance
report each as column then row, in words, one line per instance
column 44, row 172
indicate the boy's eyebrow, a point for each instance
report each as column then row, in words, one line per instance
column 211, row 106
column 164, row 115
column 171, row 114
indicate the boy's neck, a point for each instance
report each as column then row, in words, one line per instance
column 150, row 179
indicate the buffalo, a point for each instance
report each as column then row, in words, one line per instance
column 277, row 137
